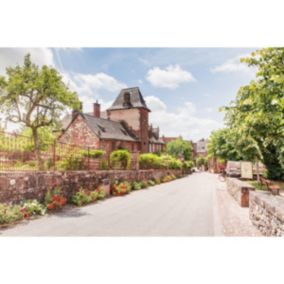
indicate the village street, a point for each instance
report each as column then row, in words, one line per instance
column 197, row 205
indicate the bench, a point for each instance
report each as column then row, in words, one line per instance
column 273, row 188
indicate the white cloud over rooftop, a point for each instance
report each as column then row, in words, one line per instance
column 170, row 77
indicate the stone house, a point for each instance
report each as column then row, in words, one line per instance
column 125, row 126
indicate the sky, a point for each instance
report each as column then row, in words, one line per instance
column 183, row 87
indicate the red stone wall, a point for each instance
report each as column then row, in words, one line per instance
column 17, row 186
column 79, row 134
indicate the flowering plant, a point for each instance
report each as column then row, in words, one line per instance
column 32, row 207
column 121, row 188
column 54, row 199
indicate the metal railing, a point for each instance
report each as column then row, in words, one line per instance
column 17, row 153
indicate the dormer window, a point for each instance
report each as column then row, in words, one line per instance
column 126, row 99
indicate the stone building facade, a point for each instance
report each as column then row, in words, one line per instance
column 126, row 126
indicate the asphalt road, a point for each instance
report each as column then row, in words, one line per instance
column 184, row 207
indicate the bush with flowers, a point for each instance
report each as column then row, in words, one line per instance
column 32, row 208
column 121, row 188
column 10, row 214
column 82, row 197
column 54, row 199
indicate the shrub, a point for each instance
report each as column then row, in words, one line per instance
column 101, row 193
column 54, row 199
column 149, row 161
column 121, row 188
column 151, row 182
column 10, row 214
column 144, row 184
column 81, row 197
column 136, row 185
column 187, row 165
column 71, row 163
column 33, row 207
column 167, row 178
column 157, row 180
column 92, row 153
column 94, row 195
column 120, row 159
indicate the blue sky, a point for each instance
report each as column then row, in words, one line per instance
column 184, row 87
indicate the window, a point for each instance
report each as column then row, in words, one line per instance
column 126, row 99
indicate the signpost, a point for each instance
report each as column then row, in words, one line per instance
column 246, row 170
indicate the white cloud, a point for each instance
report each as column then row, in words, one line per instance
column 170, row 77
column 155, row 104
column 91, row 84
column 14, row 56
column 184, row 120
column 233, row 65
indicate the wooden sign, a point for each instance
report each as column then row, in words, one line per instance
column 246, row 170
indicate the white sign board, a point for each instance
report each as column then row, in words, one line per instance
column 246, row 170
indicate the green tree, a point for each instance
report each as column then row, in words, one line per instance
column 179, row 148
column 222, row 145
column 257, row 113
column 35, row 97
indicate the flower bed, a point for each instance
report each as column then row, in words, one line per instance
column 120, row 188
column 55, row 199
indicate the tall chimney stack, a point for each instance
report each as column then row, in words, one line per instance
column 97, row 110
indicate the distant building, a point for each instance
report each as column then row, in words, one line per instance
column 125, row 125
column 200, row 148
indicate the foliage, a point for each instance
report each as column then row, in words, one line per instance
column 167, row 178
column 187, row 165
column 81, row 197
column 201, row 161
column 10, row 213
column 153, row 161
column 121, row 188
column 46, row 138
column 151, row 182
column 33, row 207
column 144, row 184
column 35, row 97
column 179, row 148
column 92, row 153
column 136, row 185
column 54, row 199
column 222, row 144
column 73, row 162
column 257, row 113
column 150, row 161
column 101, row 193
column 120, row 159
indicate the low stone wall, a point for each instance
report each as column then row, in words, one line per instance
column 240, row 191
column 16, row 186
column 266, row 212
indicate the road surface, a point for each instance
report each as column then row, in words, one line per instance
column 184, row 207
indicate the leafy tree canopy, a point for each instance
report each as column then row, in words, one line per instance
column 256, row 116
column 34, row 97
column 179, row 148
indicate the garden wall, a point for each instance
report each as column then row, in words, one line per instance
column 16, row 186
column 239, row 190
column 267, row 213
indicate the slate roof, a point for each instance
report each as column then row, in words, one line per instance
column 108, row 129
column 136, row 100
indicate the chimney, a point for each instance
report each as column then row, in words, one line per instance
column 97, row 110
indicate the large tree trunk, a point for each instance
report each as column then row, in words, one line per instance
column 37, row 149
